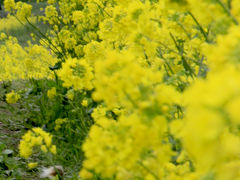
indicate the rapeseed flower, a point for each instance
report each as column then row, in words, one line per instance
column 12, row 97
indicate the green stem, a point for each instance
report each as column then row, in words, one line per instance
column 43, row 35
column 226, row 9
column 184, row 29
column 184, row 62
column 148, row 170
column 35, row 34
column 161, row 56
column 200, row 27
column 166, row 70
column 102, row 9
column 229, row 3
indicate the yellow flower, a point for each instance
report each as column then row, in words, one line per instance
column 59, row 122
column 48, row 139
column 70, row 94
column 3, row 36
column 17, row 62
column 85, row 174
column 84, row 103
column 36, row 137
column 25, row 149
column 32, row 165
column 9, row 5
column 53, row 149
column 77, row 73
column 44, row 148
column 51, row 1
column 52, row 93
column 23, row 10
column 77, row 16
column 12, row 97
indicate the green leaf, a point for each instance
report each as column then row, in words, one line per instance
column 2, row 146
column 7, row 151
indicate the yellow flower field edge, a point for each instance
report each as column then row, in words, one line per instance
column 152, row 86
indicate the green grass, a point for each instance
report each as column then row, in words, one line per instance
column 11, row 129
column 13, row 125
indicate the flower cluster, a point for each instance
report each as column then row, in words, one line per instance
column 23, row 10
column 162, row 75
column 12, row 97
column 17, row 62
column 36, row 138
column 76, row 74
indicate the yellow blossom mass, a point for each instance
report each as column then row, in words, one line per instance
column 151, row 86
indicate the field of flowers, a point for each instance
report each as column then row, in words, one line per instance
column 120, row 89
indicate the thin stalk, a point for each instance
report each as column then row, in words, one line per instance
column 166, row 70
column 200, row 27
column 161, row 56
column 184, row 29
column 229, row 3
column 56, row 78
column 200, row 66
column 184, row 62
column 43, row 35
column 148, row 170
column 130, row 99
column 226, row 9
column 35, row 34
column 102, row 9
